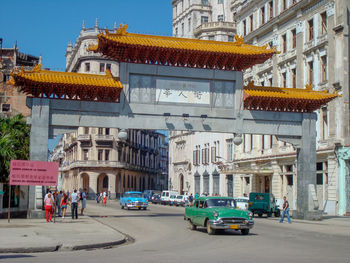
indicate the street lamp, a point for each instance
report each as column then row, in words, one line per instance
column 122, row 135
column 237, row 140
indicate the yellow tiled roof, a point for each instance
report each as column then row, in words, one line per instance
column 39, row 75
column 238, row 47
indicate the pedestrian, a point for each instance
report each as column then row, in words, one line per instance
column 285, row 210
column 97, row 198
column 48, row 207
column 74, row 204
column 104, row 198
column 58, row 201
column 190, row 200
column 196, row 196
column 84, row 195
column 64, row 203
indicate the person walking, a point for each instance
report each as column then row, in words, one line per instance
column 285, row 210
column 83, row 201
column 74, row 204
column 64, row 203
column 190, row 200
column 97, row 198
column 49, row 207
column 104, row 198
column 58, row 203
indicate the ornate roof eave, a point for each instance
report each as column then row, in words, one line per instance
column 147, row 49
column 285, row 99
column 41, row 83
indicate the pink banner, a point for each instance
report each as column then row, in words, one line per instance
column 33, row 173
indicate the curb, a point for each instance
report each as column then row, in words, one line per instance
column 30, row 249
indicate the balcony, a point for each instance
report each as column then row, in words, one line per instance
column 104, row 140
column 215, row 26
column 309, row 45
column 84, row 137
column 95, row 164
column 289, row 55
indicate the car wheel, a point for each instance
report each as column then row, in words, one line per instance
column 269, row 214
column 192, row 226
column 260, row 214
column 145, row 208
column 210, row 230
column 245, row 231
column 139, row 208
column 122, row 207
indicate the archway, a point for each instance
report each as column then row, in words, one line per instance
column 102, row 183
column 181, row 184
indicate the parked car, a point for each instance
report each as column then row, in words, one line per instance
column 133, row 200
column 164, row 199
column 148, row 194
column 216, row 213
column 172, row 200
column 156, row 199
column 263, row 203
column 242, row 202
column 181, row 200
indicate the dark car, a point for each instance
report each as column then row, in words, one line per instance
column 263, row 203
column 148, row 194
column 155, row 199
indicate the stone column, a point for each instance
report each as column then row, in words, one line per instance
column 111, row 185
column 307, row 204
column 39, row 136
column 92, row 184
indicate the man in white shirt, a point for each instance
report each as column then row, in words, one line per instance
column 74, row 204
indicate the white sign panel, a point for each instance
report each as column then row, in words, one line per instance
column 183, row 91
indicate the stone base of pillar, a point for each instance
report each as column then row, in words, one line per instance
column 36, row 214
column 308, row 215
column 113, row 196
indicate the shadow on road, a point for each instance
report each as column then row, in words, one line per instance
column 15, row 256
column 139, row 215
column 225, row 232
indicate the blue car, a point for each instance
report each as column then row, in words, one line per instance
column 133, row 200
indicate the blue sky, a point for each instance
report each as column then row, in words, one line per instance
column 44, row 27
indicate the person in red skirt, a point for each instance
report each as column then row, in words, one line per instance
column 48, row 207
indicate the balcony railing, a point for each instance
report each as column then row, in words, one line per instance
column 214, row 26
column 84, row 137
column 104, row 138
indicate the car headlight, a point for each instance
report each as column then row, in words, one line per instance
column 215, row 214
column 250, row 214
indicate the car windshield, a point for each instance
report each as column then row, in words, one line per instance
column 242, row 200
column 179, row 197
column 221, row 202
column 147, row 192
column 173, row 196
column 138, row 195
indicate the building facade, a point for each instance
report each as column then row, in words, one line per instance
column 312, row 37
column 94, row 157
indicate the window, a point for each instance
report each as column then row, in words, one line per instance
column 311, row 29
column 262, row 12
column 176, row 31
column 251, row 23
column 85, row 154
column 294, row 38
column 204, row 19
column 203, row 156
column 311, row 69
column 87, row 67
column 189, row 25
column 324, row 119
column 5, row 107
column 220, row 18
column 321, row 173
column 230, row 39
column 251, row 142
column 294, row 78
column 284, row 79
column 182, row 28
column 105, row 182
column 323, row 23
column 284, row 5
column 106, row 155
column 324, row 68
column 230, row 150
column 271, row 9
column 244, row 27
column 86, row 130
column 100, row 154
column 262, row 142
column 289, row 179
column 100, row 131
column 211, row 37
column 284, row 43
column 107, row 131
column 108, row 67
column 205, row 2
column 102, row 67
column 213, row 154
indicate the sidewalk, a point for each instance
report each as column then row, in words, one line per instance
column 36, row 235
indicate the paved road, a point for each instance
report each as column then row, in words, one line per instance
column 161, row 235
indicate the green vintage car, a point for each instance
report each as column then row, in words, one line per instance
column 216, row 213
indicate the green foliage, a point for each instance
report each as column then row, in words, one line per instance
column 14, row 143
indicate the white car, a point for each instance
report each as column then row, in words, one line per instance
column 242, row 202
column 172, row 199
column 181, row 200
column 165, row 197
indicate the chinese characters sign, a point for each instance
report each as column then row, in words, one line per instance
column 33, row 173
column 183, row 91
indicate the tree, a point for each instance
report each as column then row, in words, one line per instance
column 14, row 143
